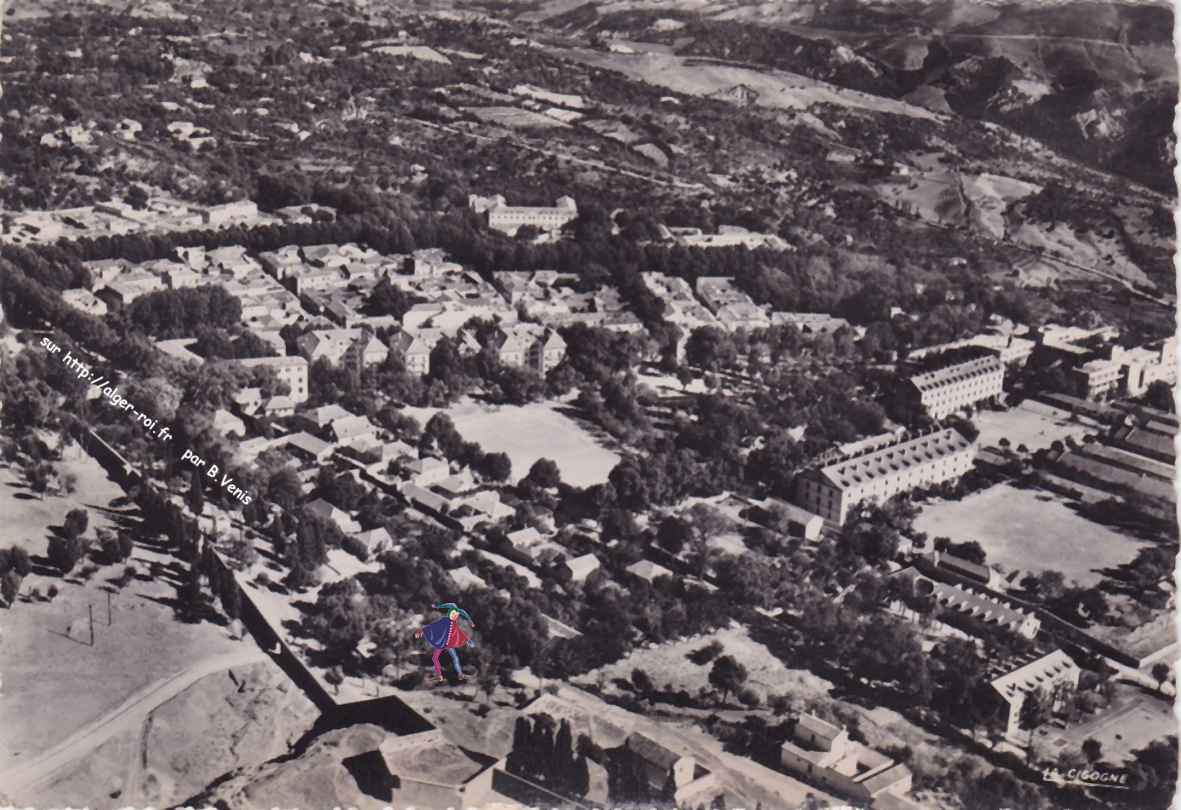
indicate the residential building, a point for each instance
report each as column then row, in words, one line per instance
column 375, row 540
column 582, row 566
column 248, row 400
column 1054, row 676
column 348, row 429
column 128, row 287
column 742, row 316
column 832, row 490
column 278, row 406
column 308, row 447
column 415, row 352
column 317, row 420
column 86, row 301
column 530, row 346
column 424, row 472
column 648, row 570
column 324, row 510
column 800, row 522
column 525, row 539
column 946, row 390
column 340, row 346
column 508, row 218
column 290, row 370
column 227, row 424
column 822, row 753
column 657, row 761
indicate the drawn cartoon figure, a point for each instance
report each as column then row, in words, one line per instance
column 446, row 634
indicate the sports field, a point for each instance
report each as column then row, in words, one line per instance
column 1030, row 530
column 529, row 432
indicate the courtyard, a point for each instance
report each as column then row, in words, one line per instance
column 1032, row 423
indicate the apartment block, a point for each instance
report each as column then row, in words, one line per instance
column 291, row 370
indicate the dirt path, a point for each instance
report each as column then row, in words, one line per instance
column 128, row 716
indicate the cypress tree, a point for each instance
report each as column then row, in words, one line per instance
column 518, row 756
column 196, row 492
column 562, row 762
column 580, row 782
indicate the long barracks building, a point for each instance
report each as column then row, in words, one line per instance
column 947, row 390
column 832, row 490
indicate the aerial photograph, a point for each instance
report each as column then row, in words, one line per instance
column 588, row 404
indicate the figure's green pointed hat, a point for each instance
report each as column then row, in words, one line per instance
column 447, row 607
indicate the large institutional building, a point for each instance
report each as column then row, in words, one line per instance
column 878, row 474
column 507, row 218
column 946, row 390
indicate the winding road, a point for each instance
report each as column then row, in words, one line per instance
column 17, row 782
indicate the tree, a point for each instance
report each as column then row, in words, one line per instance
column 1033, row 712
column 674, row 533
column 562, row 760
column 727, row 676
column 19, row 561
column 10, row 585
column 1160, row 674
column 519, row 755
column 64, row 552
column 545, row 474
column 192, row 600
column 75, row 523
column 231, row 598
column 1092, row 749
column 196, row 492
column 580, row 779
column 334, row 677
column 642, row 683
column 496, row 467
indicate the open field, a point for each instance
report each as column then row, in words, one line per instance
column 51, row 671
column 530, row 432
column 1034, row 424
column 1030, row 530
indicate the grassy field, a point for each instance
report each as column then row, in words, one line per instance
column 528, row 433
column 1029, row 530
column 54, row 681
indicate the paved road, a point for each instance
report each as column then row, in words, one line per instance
column 18, row 781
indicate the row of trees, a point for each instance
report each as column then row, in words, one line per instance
column 543, row 755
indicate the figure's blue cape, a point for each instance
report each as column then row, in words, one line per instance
column 437, row 631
